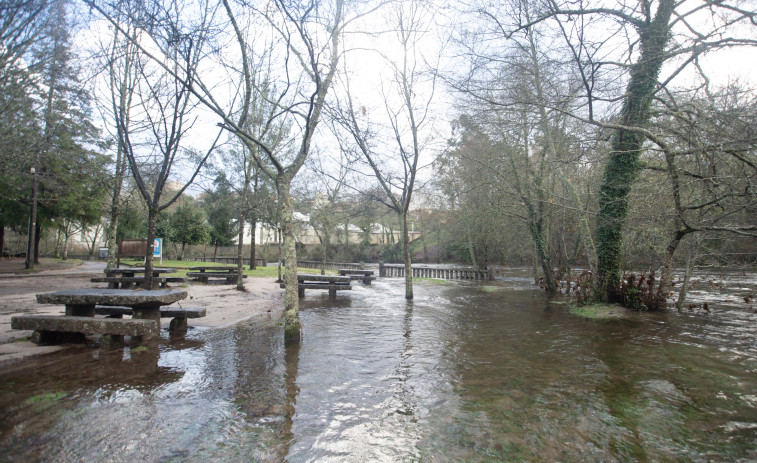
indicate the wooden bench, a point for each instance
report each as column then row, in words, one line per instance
column 53, row 329
column 366, row 276
column 178, row 315
column 332, row 283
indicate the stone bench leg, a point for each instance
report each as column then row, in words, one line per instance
column 146, row 313
column 178, row 325
column 86, row 310
column 300, row 292
column 112, row 340
column 45, row 338
column 332, row 293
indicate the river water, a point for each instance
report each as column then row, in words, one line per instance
column 466, row 372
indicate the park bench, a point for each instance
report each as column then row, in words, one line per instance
column 178, row 315
column 223, row 275
column 332, row 283
column 366, row 276
column 79, row 318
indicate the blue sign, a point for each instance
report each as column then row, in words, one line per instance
column 158, row 251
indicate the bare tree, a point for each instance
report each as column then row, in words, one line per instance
column 408, row 115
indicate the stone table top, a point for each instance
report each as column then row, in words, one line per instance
column 125, row 297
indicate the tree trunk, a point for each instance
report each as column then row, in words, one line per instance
column 37, row 239
column 623, row 166
column 291, row 301
column 323, row 255
column 471, row 251
column 543, row 257
column 58, row 243
column 152, row 215
column 406, row 255
column 240, row 248
column 666, row 273
column 65, row 240
column 690, row 262
column 253, row 227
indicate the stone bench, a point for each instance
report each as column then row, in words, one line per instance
column 125, row 282
column 366, row 276
column 331, row 287
column 366, row 279
column 52, row 329
column 214, row 277
column 178, row 315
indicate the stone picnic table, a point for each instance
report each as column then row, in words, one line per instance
column 80, row 318
column 203, row 274
column 332, row 283
column 124, row 277
column 366, row 276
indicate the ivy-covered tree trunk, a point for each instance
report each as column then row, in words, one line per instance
column 291, row 301
column 623, row 167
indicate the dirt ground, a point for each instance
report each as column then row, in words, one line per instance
column 224, row 304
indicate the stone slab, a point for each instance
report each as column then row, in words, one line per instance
column 87, row 325
column 165, row 312
column 125, row 297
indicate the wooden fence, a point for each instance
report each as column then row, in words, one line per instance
column 446, row 273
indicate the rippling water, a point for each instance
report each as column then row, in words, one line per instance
column 465, row 372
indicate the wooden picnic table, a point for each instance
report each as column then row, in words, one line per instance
column 204, row 274
column 80, row 312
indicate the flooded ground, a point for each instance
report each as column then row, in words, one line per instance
column 466, row 372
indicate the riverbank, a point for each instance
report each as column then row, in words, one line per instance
column 224, row 304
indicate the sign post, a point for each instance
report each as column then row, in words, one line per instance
column 158, row 249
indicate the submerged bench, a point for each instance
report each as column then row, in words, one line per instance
column 366, row 276
column 53, row 329
column 178, row 315
column 332, row 283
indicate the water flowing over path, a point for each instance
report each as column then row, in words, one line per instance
column 466, row 372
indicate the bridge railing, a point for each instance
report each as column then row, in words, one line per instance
column 330, row 265
column 442, row 273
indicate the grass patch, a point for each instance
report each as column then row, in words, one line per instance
column 490, row 289
column 182, row 267
column 432, row 281
column 24, row 339
column 45, row 401
column 139, row 349
column 599, row 311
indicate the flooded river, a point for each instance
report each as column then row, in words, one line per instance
column 466, row 372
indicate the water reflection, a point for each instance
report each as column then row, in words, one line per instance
column 466, row 372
